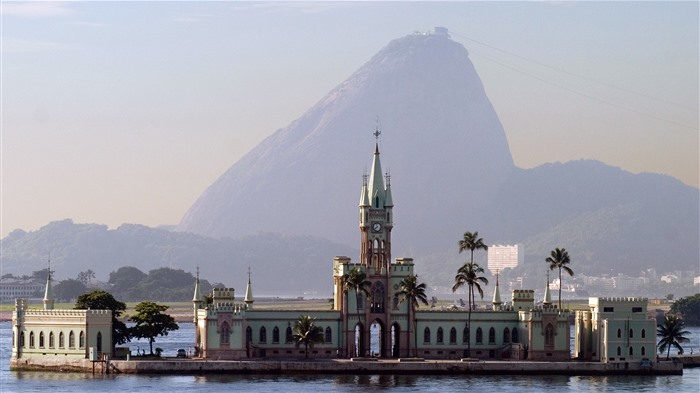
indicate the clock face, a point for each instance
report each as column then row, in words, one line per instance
column 377, row 227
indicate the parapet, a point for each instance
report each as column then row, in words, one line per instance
column 223, row 293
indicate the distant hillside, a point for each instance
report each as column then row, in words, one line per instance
column 280, row 265
column 451, row 172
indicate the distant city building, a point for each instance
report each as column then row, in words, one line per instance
column 14, row 288
column 503, row 256
column 696, row 281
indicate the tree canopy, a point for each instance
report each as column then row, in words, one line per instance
column 671, row 334
column 689, row 308
column 102, row 300
column 151, row 321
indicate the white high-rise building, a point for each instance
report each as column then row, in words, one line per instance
column 503, row 256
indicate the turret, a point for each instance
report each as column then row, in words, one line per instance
column 547, row 302
column 248, row 300
column 197, row 299
column 49, row 300
column 496, row 296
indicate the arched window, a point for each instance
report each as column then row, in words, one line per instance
column 514, row 335
column 51, row 340
column 619, row 333
column 506, row 336
column 619, row 351
column 276, row 335
column 41, row 339
column 631, row 333
column 329, row 335
column 61, row 341
column 263, row 334
column 440, row 336
column 81, row 340
column 377, row 295
column 453, row 336
column 248, row 335
column 465, row 335
column 426, row 335
column 396, row 301
column 644, row 333
column 288, row 335
column 21, row 339
column 479, row 336
column 631, row 351
column 71, row 340
column 224, row 334
column 644, row 352
column 31, row 339
column 549, row 335
column 492, row 336
column 99, row 341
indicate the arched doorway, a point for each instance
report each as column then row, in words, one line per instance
column 395, row 340
column 99, row 342
column 359, row 349
column 376, row 333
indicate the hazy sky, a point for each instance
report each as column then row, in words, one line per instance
column 126, row 112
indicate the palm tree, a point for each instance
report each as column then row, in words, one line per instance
column 356, row 280
column 413, row 293
column 471, row 241
column 468, row 275
column 672, row 334
column 306, row 332
column 558, row 259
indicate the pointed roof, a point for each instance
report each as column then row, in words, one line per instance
column 364, row 198
column 375, row 187
column 248, row 300
column 389, row 201
column 197, row 290
column 496, row 295
column 48, row 293
column 547, row 295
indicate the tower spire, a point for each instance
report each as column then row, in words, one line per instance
column 197, row 299
column 49, row 300
column 547, row 295
column 496, row 296
column 249, row 293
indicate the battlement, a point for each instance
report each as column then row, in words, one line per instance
column 223, row 293
column 66, row 313
column 523, row 294
column 404, row 261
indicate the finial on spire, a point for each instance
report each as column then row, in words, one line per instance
column 197, row 272
column 248, row 273
column 377, row 132
column 496, row 276
column 387, row 175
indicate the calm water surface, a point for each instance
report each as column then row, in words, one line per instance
column 689, row 382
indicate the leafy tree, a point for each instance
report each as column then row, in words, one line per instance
column 413, row 293
column 672, row 334
column 69, row 289
column 356, row 280
column 306, row 332
column 86, row 277
column 468, row 275
column 102, row 300
column 689, row 308
column 151, row 322
column 41, row 275
column 126, row 282
column 558, row 259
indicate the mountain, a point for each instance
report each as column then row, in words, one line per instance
column 292, row 265
column 451, row 171
column 438, row 131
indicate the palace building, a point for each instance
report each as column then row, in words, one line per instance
column 380, row 324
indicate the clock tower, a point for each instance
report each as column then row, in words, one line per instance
column 376, row 206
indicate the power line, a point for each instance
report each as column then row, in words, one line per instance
column 563, row 87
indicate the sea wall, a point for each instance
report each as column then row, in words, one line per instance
column 344, row 366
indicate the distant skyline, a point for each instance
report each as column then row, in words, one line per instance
column 125, row 112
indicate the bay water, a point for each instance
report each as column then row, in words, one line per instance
column 26, row 381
